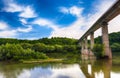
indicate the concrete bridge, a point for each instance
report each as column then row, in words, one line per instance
column 102, row 22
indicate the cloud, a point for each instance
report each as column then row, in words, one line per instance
column 12, row 7
column 114, row 25
column 25, row 29
column 3, row 25
column 46, row 23
column 74, row 10
column 8, row 33
column 23, row 21
column 72, row 31
column 5, row 30
column 27, row 12
column 64, row 10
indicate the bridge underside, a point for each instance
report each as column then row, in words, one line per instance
column 102, row 22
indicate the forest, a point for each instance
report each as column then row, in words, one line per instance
column 16, row 49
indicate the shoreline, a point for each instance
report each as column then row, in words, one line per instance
column 42, row 61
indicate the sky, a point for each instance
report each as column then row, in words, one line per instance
column 35, row 19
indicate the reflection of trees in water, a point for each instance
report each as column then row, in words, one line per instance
column 13, row 70
column 116, row 68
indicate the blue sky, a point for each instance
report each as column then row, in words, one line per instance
column 34, row 19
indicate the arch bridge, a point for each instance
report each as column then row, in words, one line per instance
column 102, row 23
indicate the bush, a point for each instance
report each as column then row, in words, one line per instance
column 115, row 47
column 16, row 52
column 98, row 50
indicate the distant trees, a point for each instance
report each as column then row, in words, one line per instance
column 47, row 41
column 115, row 47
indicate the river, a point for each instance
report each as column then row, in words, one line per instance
column 84, row 69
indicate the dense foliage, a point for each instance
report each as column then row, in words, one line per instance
column 16, row 52
column 14, row 49
column 98, row 50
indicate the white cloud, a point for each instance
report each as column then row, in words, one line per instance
column 3, row 25
column 64, row 10
column 114, row 25
column 45, row 22
column 74, row 10
column 25, row 29
column 5, row 30
column 12, row 7
column 13, row 33
column 8, row 33
column 23, row 21
column 72, row 31
column 27, row 12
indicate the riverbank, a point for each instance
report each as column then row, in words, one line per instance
column 42, row 61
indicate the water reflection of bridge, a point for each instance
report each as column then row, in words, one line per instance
column 93, row 69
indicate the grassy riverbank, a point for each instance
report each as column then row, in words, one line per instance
column 42, row 61
column 116, row 57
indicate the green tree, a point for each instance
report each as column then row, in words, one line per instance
column 98, row 50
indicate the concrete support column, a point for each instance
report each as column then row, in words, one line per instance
column 86, row 46
column 91, row 43
column 105, row 40
column 86, row 43
column 92, row 40
column 82, row 47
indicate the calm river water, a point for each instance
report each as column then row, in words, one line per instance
column 84, row 69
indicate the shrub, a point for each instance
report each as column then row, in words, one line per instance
column 98, row 50
column 16, row 52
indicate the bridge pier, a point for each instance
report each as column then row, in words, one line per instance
column 105, row 40
column 82, row 47
column 91, row 43
column 86, row 46
column 92, row 40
